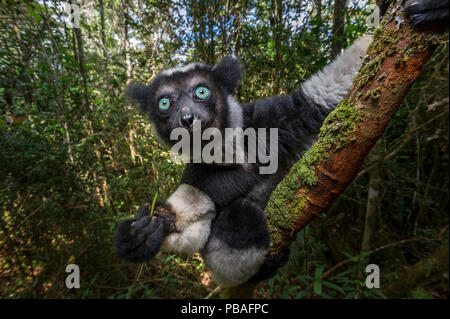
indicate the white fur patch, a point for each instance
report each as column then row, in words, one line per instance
column 193, row 237
column 329, row 86
column 235, row 113
column 182, row 69
column 194, row 212
column 230, row 266
column 235, row 121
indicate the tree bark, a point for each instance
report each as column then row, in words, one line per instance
column 125, row 7
column 129, row 74
column 338, row 27
column 277, row 30
column 396, row 57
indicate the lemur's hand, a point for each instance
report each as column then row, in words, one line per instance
column 140, row 239
column 426, row 12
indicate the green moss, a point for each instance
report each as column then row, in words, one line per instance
column 383, row 45
column 334, row 134
column 286, row 205
column 374, row 94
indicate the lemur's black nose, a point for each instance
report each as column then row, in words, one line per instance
column 186, row 118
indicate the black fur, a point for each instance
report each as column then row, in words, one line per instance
column 140, row 94
column 182, row 95
column 240, row 222
column 228, row 72
column 241, row 225
column 222, row 184
column 296, row 118
column 239, row 192
column 139, row 239
column 421, row 12
column 424, row 12
column 271, row 266
column 383, row 5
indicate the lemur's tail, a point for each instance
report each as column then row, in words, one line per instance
column 329, row 86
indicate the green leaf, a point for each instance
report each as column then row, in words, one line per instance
column 153, row 204
column 364, row 254
column 302, row 293
column 348, row 281
column 332, row 286
column 379, row 293
column 318, row 272
column 317, row 287
column 347, row 255
column 342, row 274
column 326, row 295
column 351, row 295
column 305, row 279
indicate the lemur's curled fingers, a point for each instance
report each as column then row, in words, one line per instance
column 139, row 239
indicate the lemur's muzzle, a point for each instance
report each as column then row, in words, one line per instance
column 187, row 117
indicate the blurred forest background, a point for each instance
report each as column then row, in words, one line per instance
column 76, row 158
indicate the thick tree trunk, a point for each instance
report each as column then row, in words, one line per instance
column 396, row 57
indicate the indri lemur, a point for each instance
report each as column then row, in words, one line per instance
column 218, row 209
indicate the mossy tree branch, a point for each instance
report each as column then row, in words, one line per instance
column 395, row 59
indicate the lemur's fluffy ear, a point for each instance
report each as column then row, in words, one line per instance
column 139, row 94
column 229, row 72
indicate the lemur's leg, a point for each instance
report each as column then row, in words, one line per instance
column 238, row 243
column 181, row 225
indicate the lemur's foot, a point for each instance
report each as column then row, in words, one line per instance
column 238, row 243
column 423, row 12
column 270, row 266
column 140, row 239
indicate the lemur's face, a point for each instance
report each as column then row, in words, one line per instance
column 182, row 98
column 191, row 95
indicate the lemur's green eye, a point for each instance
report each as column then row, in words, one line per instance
column 164, row 103
column 202, row 92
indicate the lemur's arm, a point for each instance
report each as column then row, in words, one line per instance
column 204, row 190
column 299, row 115
column 182, row 223
column 140, row 238
column 222, row 184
